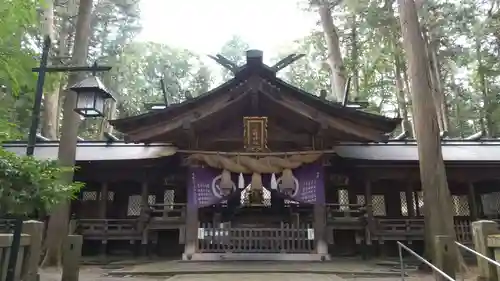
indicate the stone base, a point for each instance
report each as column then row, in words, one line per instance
column 254, row 257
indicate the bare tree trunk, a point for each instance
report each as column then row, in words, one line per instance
column 50, row 112
column 59, row 219
column 433, row 80
column 355, row 58
column 335, row 61
column 437, row 198
column 439, row 86
column 458, row 113
column 440, row 96
column 486, row 122
column 403, row 109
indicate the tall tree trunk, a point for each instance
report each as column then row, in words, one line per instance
column 66, row 36
column 439, row 85
column 355, row 58
column 439, row 91
column 402, row 106
column 335, row 61
column 437, row 198
column 487, row 124
column 433, row 80
column 59, row 219
column 50, row 113
column 458, row 112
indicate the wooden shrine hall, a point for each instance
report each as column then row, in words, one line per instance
column 259, row 169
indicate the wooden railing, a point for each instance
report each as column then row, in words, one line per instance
column 170, row 210
column 115, row 229
column 345, row 210
column 413, row 229
column 399, row 229
column 289, row 238
column 346, row 216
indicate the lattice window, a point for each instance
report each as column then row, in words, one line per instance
column 169, row 199
column 404, row 204
column 419, row 201
column 134, row 204
column 491, row 203
column 111, row 195
column 360, row 199
column 89, row 195
column 343, row 199
column 266, row 194
column 460, row 205
column 151, row 199
column 378, row 205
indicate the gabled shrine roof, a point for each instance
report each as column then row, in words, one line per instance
column 397, row 151
column 258, row 77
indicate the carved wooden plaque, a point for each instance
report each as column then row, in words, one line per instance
column 255, row 133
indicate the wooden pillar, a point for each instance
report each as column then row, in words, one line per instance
column 417, row 202
column 392, row 199
column 103, row 205
column 144, row 195
column 320, row 230
column 103, row 201
column 368, row 201
column 369, row 217
column 144, row 220
column 474, row 214
column 191, row 241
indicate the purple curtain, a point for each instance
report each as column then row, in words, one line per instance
column 203, row 188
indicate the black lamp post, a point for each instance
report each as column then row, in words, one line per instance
column 92, row 88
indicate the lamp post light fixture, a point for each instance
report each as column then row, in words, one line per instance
column 99, row 94
column 91, row 95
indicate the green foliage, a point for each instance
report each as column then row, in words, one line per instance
column 234, row 50
column 17, row 20
column 139, row 68
column 28, row 185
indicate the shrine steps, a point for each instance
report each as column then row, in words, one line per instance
column 256, row 257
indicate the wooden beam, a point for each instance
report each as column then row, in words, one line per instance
column 273, row 108
column 254, row 103
column 177, row 122
column 302, row 138
column 347, row 126
column 306, row 112
column 177, row 111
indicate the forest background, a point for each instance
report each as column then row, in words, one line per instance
column 363, row 37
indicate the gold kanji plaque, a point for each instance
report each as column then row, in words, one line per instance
column 255, row 133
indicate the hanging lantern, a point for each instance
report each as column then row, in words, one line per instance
column 91, row 95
